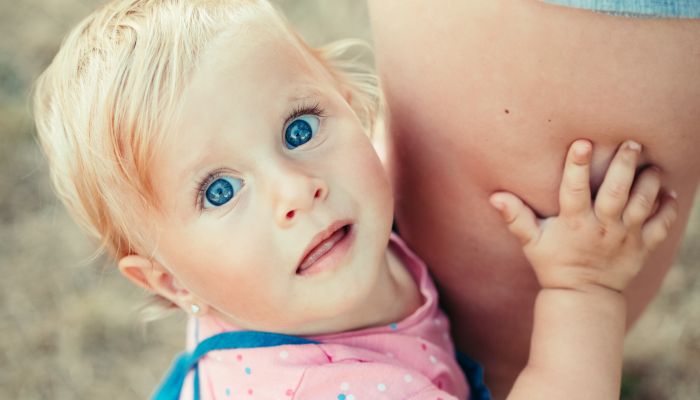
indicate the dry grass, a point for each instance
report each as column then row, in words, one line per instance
column 70, row 327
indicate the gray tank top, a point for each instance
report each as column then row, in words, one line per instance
column 638, row 8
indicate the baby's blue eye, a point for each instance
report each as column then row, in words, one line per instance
column 301, row 130
column 221, row 190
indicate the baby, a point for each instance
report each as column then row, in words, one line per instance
column 227, row 166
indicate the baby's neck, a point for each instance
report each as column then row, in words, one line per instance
column 395, row 297
column 409, row 297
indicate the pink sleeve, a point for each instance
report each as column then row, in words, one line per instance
column 366, row 380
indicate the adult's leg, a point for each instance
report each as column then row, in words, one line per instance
column 487, row 95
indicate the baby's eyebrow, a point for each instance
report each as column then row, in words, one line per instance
column 304, row 92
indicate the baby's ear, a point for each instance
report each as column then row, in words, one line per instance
column 138, row 270
column 155, row 278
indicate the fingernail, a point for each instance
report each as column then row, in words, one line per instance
column 582, row 148
column 496, row 201
column 497, row 205
column 632, row 145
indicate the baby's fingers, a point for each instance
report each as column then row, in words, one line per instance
column 575, row 189
column 656, row 229
column 614, row 191
column 519, row 217
column 643, row 198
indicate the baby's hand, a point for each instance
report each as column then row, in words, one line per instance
column 602, row 244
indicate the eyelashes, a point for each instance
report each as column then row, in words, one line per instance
column 305, row 109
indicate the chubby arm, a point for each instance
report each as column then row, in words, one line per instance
column 584, row 258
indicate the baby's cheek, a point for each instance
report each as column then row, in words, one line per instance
column 378, row 193
column 253, row 306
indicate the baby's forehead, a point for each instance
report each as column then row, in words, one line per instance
column 253, row 69
column 254, row 37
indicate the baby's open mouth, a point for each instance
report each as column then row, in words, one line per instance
column 323, row 248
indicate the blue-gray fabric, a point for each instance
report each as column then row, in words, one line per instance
column 638, row 8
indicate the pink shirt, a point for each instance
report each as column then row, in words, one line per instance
column 412, row 358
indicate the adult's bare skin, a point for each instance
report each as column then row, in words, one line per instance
column 487, row 95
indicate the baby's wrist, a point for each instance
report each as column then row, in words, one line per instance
column 586, row 278
column 591, row 296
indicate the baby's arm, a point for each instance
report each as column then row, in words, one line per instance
column 584, row 258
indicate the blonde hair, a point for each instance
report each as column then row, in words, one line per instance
column 103, row 105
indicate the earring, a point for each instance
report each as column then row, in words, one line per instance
column 195, row 309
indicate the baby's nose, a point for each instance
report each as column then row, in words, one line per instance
column 298, row 196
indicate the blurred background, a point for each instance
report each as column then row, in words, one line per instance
column 70, row 327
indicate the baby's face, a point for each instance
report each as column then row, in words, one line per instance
column 267, row 159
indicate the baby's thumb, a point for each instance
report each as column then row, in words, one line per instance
column 519, row 217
